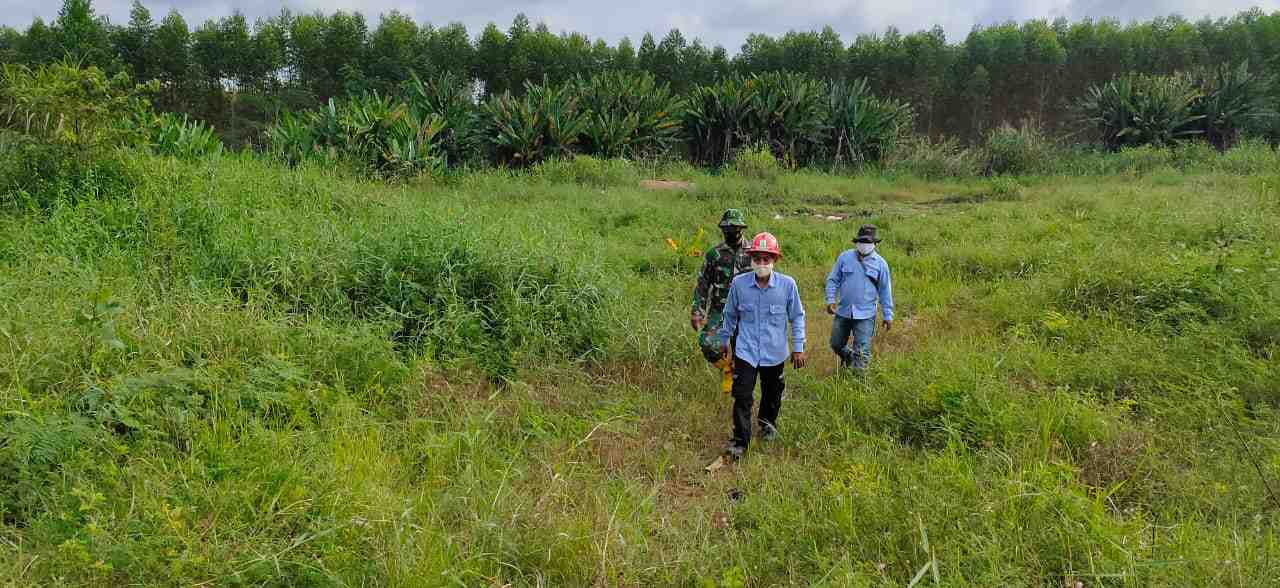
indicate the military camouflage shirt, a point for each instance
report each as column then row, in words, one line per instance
column 719, row 267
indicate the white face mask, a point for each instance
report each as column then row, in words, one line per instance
column 762, row 270
column 866, row 248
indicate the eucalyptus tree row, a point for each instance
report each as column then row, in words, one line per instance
column 236, row 73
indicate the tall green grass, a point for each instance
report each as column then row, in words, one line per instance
column 232, row 373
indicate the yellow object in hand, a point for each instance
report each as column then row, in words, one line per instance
column 726, row 374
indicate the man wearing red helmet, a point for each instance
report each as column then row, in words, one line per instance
column 760, row 305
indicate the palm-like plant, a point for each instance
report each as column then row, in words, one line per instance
column 545, row 122
column 715, row 116
column 1231, row 98
column 178, row 136
column 863, row 127
column 788, row 113
column 382, row 134
column 452, row 97
column 1142, row 110
column 628, row 115
column 291, row 138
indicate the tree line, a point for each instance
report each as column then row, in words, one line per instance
column 239, row 75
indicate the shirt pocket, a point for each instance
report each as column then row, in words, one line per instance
column 849, row 275
column 747, row 310
column 859, row 283
column 777, row 315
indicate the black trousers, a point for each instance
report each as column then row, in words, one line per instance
column 772, row 384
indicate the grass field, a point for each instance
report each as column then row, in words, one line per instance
column 240, row 374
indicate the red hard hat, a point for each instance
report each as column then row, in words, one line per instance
column 764, row 243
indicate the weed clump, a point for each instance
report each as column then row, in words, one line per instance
column 756, row 163
column 586, row 170
column 1018, row 150
column 38, row 176
column 935, row 160
column 456, row 301
column 1172, row 299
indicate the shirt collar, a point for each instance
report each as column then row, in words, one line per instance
column 773, row 277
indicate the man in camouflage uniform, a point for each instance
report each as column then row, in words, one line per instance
column 719, row 266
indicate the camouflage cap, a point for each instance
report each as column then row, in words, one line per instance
column 733, row 218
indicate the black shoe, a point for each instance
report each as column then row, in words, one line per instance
column 734, row 451
column 768, row 432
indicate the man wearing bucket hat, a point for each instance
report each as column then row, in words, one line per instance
column 858, row 280
column 759, row 306
column 719, row 266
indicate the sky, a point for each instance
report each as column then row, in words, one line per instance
column 723, row 22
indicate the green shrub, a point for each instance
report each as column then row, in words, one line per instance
column 384, row 136
column 924, row 158
column 801, row 121
column 292, row 139
column 786, row 112
column 37, row 176
column 789, row 114
column 62, row 103
column 757, row 163
column 714, row 118
column 1019, row 150
column 1214, row 104
column 1006, row 189
column 181, row 137
column 1231, row 98
column 453, row 300
column 64, row 128
column 587, row 171
column 1251, row 156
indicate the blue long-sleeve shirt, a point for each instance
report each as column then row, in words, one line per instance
column 759, row 316
column 859, row 284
